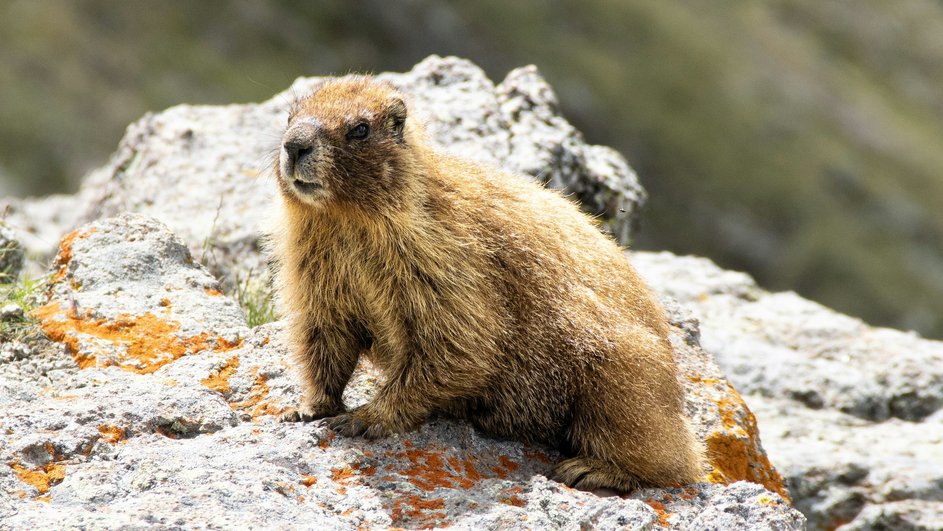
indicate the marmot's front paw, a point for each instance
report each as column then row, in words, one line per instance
column 356, row 423
column 309, row 413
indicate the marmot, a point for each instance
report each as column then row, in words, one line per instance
column 478, row 293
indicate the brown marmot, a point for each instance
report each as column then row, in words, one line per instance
column 478, row 294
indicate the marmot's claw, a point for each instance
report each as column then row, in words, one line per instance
column 307, row 414
column 594, row 475
column 346, row 424
column 350, row 425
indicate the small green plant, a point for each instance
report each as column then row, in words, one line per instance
column 25, row 294
column 209, row 243
column 255, row 297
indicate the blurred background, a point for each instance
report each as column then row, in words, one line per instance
column 800, row 141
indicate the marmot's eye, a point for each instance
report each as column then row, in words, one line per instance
column 359, row 132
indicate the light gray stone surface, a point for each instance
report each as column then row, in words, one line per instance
column 205, row 170
column 850, row 414
column 158, row 407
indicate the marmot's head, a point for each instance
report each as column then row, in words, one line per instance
column 346, row 143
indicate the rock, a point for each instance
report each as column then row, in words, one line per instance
column 850, row 414
column 10, row 312
column 840, row 468
column 908, row 515
column 205, row 170
column 781, row 345
column 166, row 414
column 125, row 292
column 38, row 223
column 11, row 254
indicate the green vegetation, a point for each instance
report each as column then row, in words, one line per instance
column 255, row 297
column 797, row 140
column 25, row 294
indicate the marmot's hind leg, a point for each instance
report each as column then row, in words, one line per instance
column 628, row 428
column 589, row 473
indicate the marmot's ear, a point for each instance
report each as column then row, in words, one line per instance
column 397, row 118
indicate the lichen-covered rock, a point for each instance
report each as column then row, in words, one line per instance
column 205, row 170
column 126, row 292
column 721, row 418
column 850, row 414
column 125, row 429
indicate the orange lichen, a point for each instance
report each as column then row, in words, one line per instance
column 212, row 292
column 325, row 441
column 219, row 381
column 414, row 509
column 428, row 471
column 65, row 253
column 537, row 455
column 40, row 478
column 660, row 510
column 308, row 480
column 508, row 464
column 734, row 451
column 698, row 379
column 514, row 497
column 257, row 404
column 112, row 434
column 342, row 474
column 54, row 454
column 149, row 342
column 471, row 472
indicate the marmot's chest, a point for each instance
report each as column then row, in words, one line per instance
column 360, row 282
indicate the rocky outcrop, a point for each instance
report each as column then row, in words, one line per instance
column 205, row 170
column 852, row 415
column 159, row 406
column 154, row 402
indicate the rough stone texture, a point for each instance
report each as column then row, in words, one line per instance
column 204, row 170
column 173, row 412
column 125, row 292
column 159, row 408
column 850, row 414
column 38, row 223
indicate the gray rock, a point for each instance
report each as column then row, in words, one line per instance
column 205, row 170
column 837, row 465
column 849, row 413
column 908, row 515
column 134, row 431
column 781, row 345
column 38, row 223
column 11, row 312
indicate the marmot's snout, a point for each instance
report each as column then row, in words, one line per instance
column 299, row 157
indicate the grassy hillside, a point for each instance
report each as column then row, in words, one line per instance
column 801, row 141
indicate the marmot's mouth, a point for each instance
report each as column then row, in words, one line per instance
column 306, row 187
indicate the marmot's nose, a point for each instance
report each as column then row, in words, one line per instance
column 299, row 141
column 297, row 151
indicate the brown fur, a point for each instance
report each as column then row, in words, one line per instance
column 478, row 294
